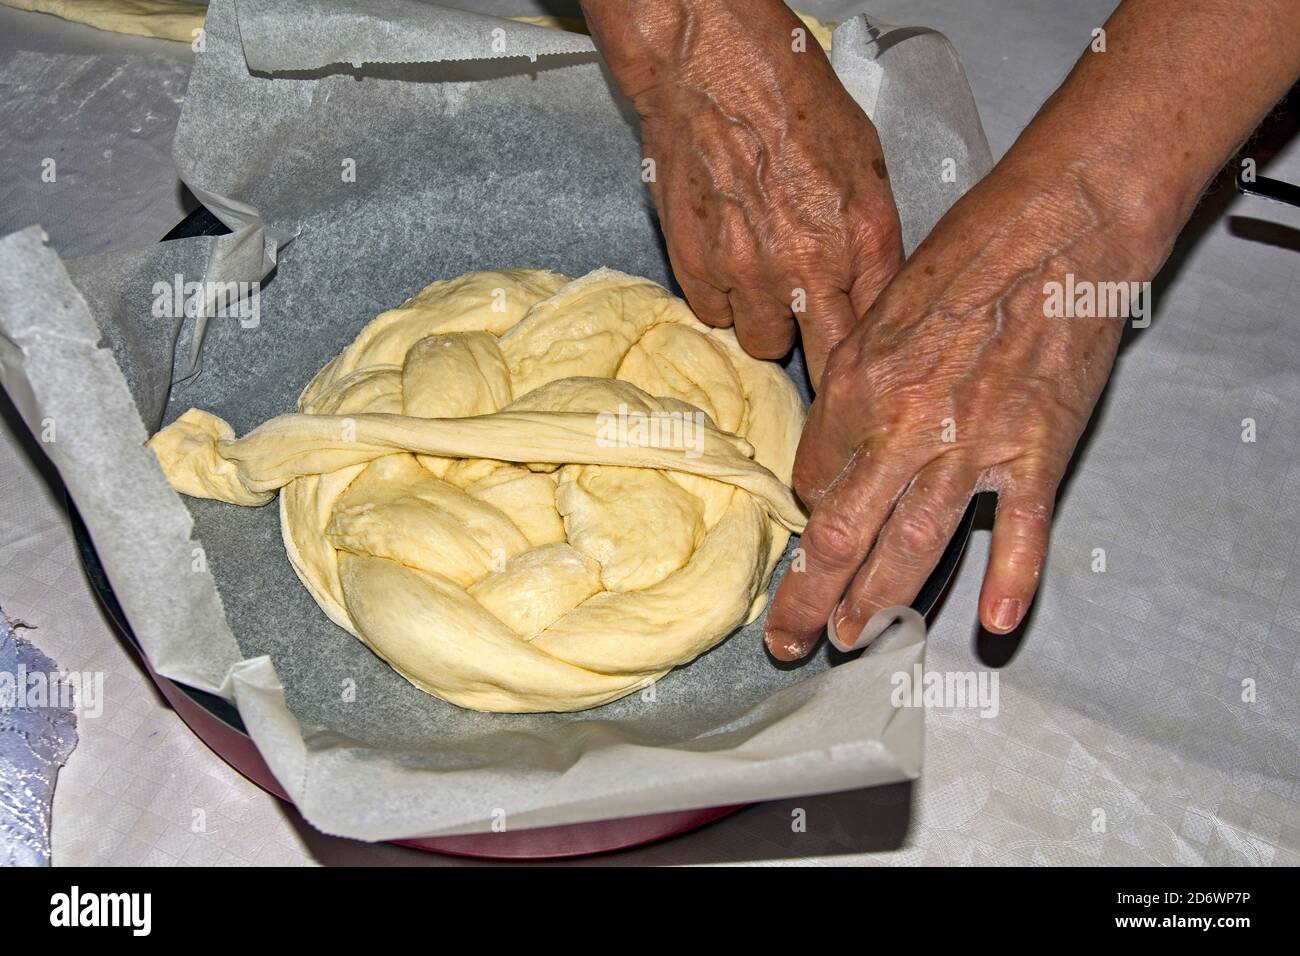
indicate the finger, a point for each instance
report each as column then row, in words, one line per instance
column 831, row 437
column 877, row 264
column 1026, row 499
column 764, row 326
column 823, row 325
column 837, row 538
column 710, row 305
column 907, row 550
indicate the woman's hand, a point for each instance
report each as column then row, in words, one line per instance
column 960, row 378
column 958, row 381
column 769, row 179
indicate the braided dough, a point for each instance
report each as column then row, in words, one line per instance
column 524, row 492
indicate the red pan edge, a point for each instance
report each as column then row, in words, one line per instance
column 543, row 843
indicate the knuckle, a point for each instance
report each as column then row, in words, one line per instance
column 832, row 541
column 879, row 232
column 1028, row 520
column 919, row 533
column 802, row 613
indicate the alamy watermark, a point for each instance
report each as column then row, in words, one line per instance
column 630, row 428
column 75, row 908
column 977, row 690
column 65, row 690
column 208, row 298
column 1083, row 299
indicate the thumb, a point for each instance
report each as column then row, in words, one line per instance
column 822, row 326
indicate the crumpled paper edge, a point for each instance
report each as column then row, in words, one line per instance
column 46, row 335
column 246, row 255
column 772, row 764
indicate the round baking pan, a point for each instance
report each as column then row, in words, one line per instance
column 217, row 723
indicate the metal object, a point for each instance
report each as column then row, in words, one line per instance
column 1274, row 189
column 36, row 736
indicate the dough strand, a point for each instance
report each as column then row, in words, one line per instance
column 294, row 446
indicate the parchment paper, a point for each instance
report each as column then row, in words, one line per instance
column 463, row 164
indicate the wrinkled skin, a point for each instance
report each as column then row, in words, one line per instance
column 768, row 178
column 956, row 382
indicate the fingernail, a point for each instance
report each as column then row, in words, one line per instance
column 780, row 645
column 1006, row 614
column 840, row 621
column 833, row 629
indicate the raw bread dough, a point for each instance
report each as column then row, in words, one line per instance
column 525, row 492
column 165, row 19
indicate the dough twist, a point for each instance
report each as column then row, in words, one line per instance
column 524, row 492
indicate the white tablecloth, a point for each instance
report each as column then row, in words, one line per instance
column 1121, row 735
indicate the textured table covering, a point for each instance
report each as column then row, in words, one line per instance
column 1120, row 702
